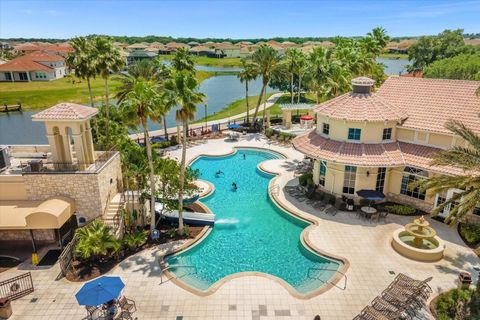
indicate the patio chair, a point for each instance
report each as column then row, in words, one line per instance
column 331, row 210
column 369, row 313
column 127, row 304
column 124, row 315
column 383, row 215
column 90, row 311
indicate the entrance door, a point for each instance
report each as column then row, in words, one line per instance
column 443, row 198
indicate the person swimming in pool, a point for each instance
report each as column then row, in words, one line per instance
column 244, row 156
column 234, row 186
column 218, row 173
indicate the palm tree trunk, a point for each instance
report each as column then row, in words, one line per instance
column 291, row 87
column 90, row 92
column 181, row 178
column 107, row 110
column 264, row 107
column 151, row 175
column 165, row 127
column 246, row 98
column 299, row 87
column 259, row 102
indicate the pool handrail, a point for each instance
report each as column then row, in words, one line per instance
column 329, row 269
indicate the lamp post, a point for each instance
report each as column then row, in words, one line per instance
column 206, row 127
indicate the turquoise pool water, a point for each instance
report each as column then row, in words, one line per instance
column 251, row 233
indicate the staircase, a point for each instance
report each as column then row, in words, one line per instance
column 113, row 216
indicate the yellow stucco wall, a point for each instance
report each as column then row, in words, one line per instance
column 12, row 187
column 440, row 140
column 405, row 134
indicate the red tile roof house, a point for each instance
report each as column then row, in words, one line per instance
column 33, row 67
column 383, row 140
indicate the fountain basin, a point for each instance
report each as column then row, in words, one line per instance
column 429, row 250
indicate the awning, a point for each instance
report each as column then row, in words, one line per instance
column 48, row 214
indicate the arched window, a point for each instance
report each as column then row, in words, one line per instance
column 411, row 174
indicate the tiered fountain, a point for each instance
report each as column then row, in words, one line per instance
column 418, row 241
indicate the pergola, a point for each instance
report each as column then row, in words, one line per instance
column 289, row 107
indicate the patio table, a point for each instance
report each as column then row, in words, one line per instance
column 369, row 211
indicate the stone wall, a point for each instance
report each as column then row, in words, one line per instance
column 41, row 235
column 416, row 203
column 89, row 189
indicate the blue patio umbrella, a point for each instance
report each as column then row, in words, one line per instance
column 233, row 126
column 99, row 291
column 372, row 195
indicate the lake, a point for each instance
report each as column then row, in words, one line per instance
column 18, row 128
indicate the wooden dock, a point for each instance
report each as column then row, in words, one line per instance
column 13, row 107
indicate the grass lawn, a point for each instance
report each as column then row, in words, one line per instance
column 394, row 55
column 37, row 94
column 213, row 62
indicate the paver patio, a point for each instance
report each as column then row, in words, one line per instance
column 366, row 246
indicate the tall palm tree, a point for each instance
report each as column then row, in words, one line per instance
column 465, row 158
column 182, row 88
column 318, row 62
column 139, row 101
column 109, row 60
column 337, row 80
column 380, row 40
column 183, row 61
column 301, row 68
column 292, row 56
column 266, row 60
column 83, row 61
column 247, row 74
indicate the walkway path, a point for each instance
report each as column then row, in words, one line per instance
column 223, row 122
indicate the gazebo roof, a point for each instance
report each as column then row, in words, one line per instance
column 297, row 106
column 65, row 111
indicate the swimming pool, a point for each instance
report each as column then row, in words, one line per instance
column 251, row 233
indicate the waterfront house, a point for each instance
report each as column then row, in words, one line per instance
column 33, row 67
column 383, row 140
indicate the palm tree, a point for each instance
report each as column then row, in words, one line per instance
column 318, row 62
column 266, row 60
column 83, row 61
column 109, row 60
column 96, row 240
column 182, row 61
column 140, row 101
column 379, row 41
column 301, row 68
column 465, row 158
column 292, row 56
column 337, row 80
column 248, row 73
column 181, row 88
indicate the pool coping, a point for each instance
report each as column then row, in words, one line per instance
column 277, row 201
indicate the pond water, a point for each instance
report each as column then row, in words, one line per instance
column 220, row 91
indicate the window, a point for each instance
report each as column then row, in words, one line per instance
column 323, row 172
column 23, row 76
column 387, row 134
column 380, row 179
column 411, row 174
column 8, row 76
column 326, row 129
column 354, row 133
column 349, row 179
column 440, row 200
column 476, row 211
column 40, row 75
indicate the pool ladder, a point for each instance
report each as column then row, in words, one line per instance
column 344, row 276
column 164, row 268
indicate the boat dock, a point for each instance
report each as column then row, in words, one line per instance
column 14, row 107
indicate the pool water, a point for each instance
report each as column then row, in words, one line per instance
column 251, row 233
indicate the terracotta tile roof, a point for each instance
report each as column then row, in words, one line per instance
column 429, row 103
column 361, row 107
column 393, row 154
column 66, row 111
column 30, row 62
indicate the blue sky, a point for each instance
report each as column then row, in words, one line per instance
column 233, row 19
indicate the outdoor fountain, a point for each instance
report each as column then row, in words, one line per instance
column 418, row 241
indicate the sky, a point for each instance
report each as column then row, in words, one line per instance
column 234, row 19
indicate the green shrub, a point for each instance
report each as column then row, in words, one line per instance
column 269, row 132
column 469, row 232
column 446, row 303
column 135, row 240
column 174, row 140
column 400, row 209
column 186, row 231
column 172, row 232
column 306, row 179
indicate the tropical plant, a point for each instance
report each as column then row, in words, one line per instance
column 247, row 74
column 461, row 67
column 83, row 61
column 266, row 60
column 400, row 209
column 135, row 240
column 95, row 241
column 464, row 158
column 109, row 60
column 182, row 89
column 140, row 100
column 183, row 61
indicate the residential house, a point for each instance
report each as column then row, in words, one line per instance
column 33, row 67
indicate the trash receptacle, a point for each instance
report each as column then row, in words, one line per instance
column 5, row 308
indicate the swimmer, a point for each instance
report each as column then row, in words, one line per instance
column 244, row 156
column 218, row 173
column 234, row 186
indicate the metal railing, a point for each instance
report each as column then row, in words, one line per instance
column 164, row 268
column 41, row 167
column 344, row 276
column 16, row 287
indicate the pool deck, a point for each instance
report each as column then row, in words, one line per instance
column 365, row 245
